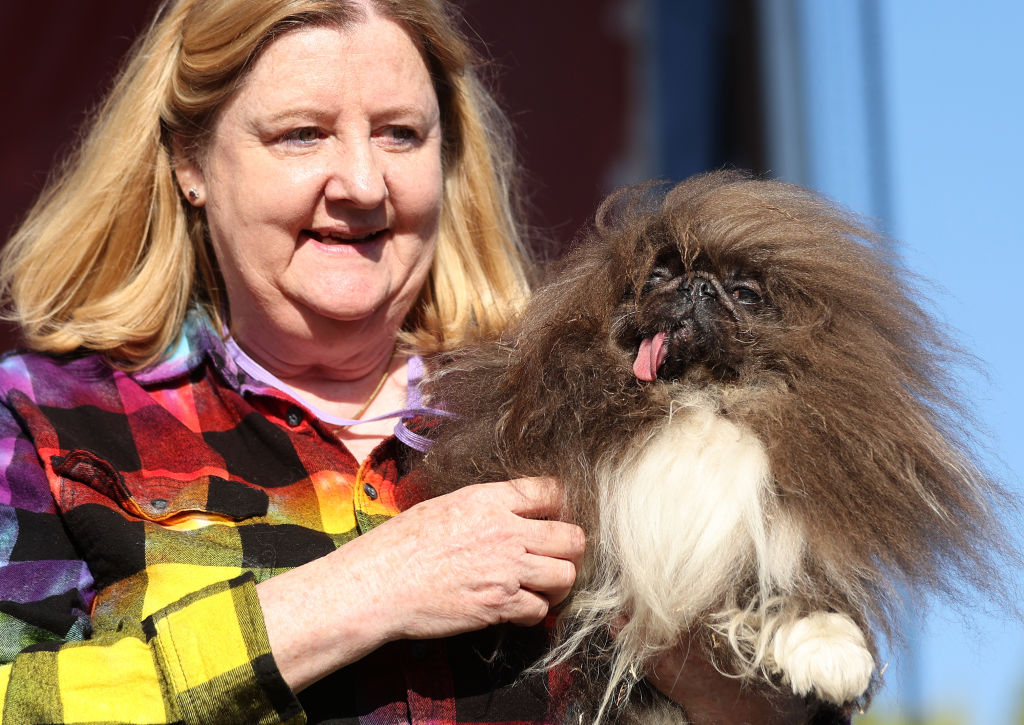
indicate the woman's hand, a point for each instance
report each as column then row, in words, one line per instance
column 685, row 676
column 482, row 555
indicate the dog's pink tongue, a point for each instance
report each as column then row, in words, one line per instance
column 650, row 356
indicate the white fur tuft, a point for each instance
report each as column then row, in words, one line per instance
column 825, row 653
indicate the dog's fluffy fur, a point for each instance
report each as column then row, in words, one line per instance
column 754, row 420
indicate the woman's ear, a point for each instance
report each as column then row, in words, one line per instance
column 189, row 175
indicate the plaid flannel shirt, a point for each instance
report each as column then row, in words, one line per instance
column 137, row 513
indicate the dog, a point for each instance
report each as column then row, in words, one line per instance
column 753, row 416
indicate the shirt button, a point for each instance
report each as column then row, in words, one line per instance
column 370, row 491
column 293, row 416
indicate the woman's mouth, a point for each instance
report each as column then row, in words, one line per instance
column 335, row 238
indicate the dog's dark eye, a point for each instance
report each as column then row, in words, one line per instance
column 746, row 294
column 658, row 275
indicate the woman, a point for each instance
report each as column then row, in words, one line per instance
column 201, row 486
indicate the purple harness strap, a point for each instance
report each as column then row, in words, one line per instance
column 414, row 398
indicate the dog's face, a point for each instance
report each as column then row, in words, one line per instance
column 696, row 319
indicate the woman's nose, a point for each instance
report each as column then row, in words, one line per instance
column 355, row 176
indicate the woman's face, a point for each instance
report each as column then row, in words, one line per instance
column 322, row 181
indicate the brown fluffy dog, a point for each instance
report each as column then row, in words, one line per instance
column 753, row 419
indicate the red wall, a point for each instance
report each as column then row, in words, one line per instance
column 56, row 64
column 563, row 79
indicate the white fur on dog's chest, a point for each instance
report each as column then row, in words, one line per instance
column 690, row 517
column 695, row 492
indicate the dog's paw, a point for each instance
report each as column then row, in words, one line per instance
column 824, row 653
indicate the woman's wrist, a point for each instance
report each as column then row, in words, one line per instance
column 319, row 618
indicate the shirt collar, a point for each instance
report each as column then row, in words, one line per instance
column 197, row 344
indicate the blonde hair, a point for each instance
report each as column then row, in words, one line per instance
column 111, row 257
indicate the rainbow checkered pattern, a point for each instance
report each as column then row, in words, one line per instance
column 137, row 513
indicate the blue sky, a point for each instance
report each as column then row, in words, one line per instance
column 954, row 109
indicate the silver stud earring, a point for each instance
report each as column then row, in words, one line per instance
column 193, row 195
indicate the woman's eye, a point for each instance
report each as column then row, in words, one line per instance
column 400, row 135
column 304, row 135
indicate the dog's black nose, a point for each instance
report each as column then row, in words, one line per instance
column 699, row 289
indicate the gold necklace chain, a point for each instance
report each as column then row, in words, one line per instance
column 376, row 390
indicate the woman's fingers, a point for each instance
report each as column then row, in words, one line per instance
column 554, row 554
column 527, row 608
column 554, row 549
column 553, row 538
column 532, row 498
column 550, row 578
column 538, row 502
